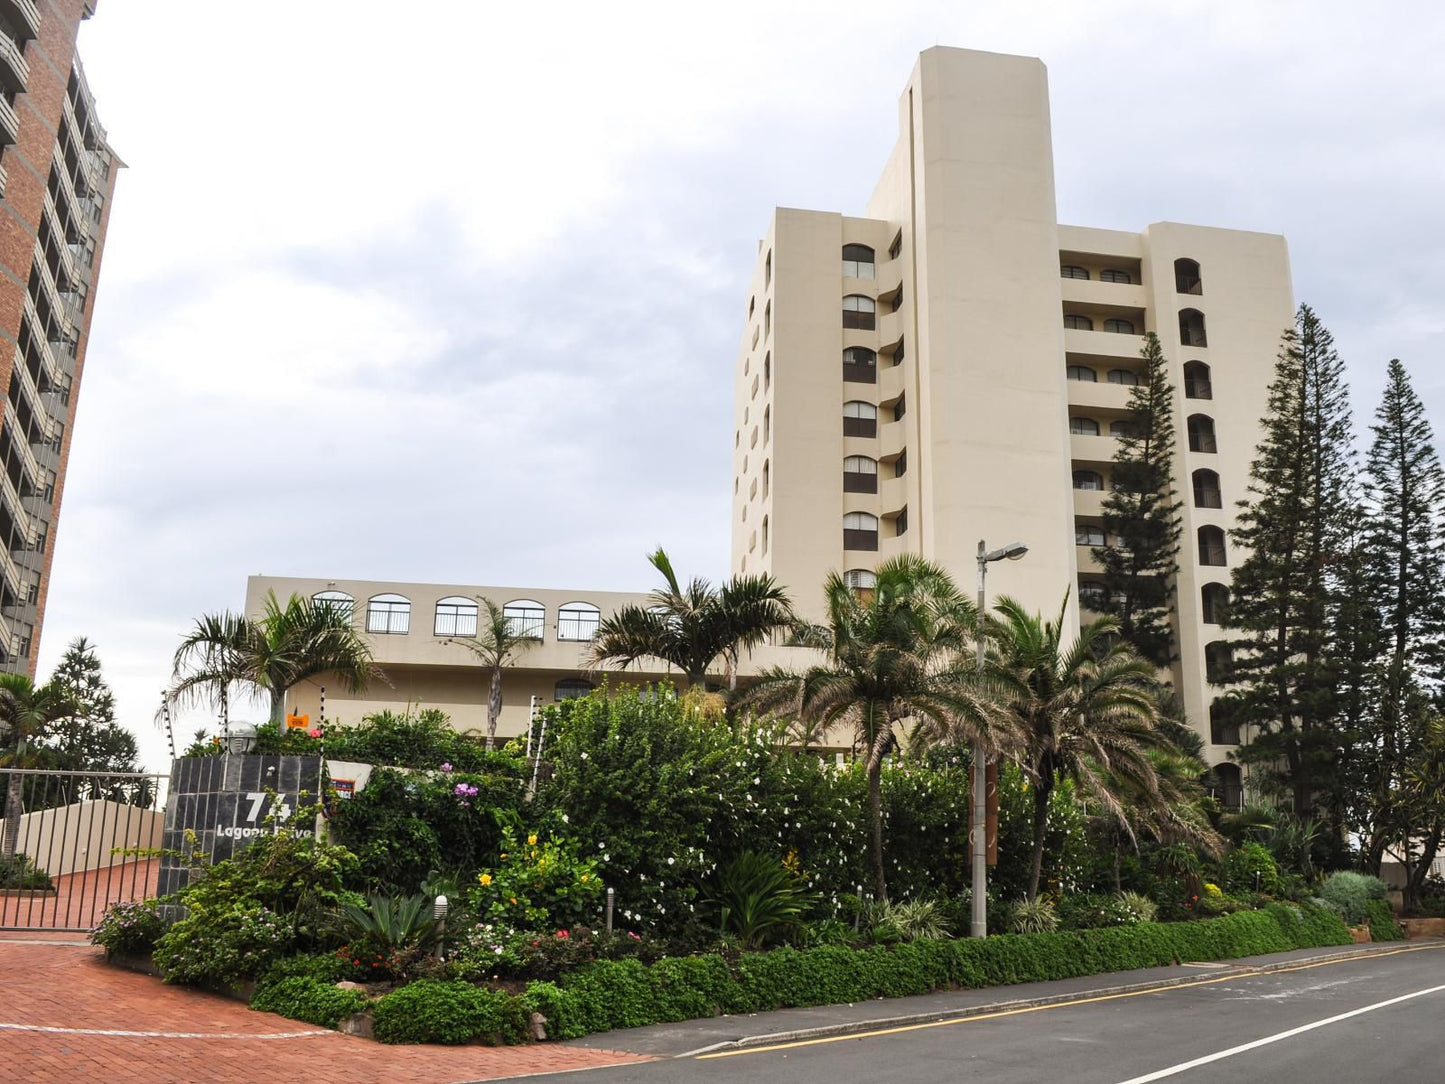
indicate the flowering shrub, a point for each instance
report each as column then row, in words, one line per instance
column 130, row 929
column 236, row 944
column 539, row 883
column 492, row 950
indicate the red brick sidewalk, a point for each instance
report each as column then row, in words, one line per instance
column 172, row 1035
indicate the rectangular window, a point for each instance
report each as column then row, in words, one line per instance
column 899, row 409
column 896, row 248
column 900, row 522
column 900, row 465
column 388, row 617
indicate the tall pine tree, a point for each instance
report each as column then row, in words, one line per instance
column 1141, row 515
column 1405, row 547
column 88, row 739
column 1294, row 526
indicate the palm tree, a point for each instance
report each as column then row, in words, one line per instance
column 25, row 711
column 496, row 645
column 692, row 627
column 896, row 653
column 1087, row 712
column 286, row 645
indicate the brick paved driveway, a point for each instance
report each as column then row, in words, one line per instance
column 65, row 1015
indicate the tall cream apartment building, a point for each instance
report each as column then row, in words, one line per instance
column 953, row 364
column 948, row 367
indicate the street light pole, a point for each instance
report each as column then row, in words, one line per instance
column 979, row 841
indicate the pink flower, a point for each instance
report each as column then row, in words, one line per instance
column 563, row 934
column 314, row 733
column 446, row 766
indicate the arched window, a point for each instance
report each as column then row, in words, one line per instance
column 1127, row 377
column 765, row 534
column 860, row 531
column 455, row 616
column 1073, row 271
column 1093, row 595
column 857, row 262
column 1226, row 782
column 860, row 365
column 578, row 621
column 1083, row 427
column 767, row 477
column 1088, row 479
column 1223, row 729
column 1089, row 534
column 1201, row 433
column 1191, row 328
column 1084, row 373
column 860, row 474
column 525, row 617
column 339, row 601
column 1196, row 381
column 1186, row 277
column 571, row 689
column 1121, row 427
column 1214, row 600
column 388, row 614
column 1218, row 658
column 1115, row 274
column 858, row 312
column 860, row 419
column 860, row 579
column 1074, row 322
column 1211, row 546
column 1206, row 489
column 1119, row 326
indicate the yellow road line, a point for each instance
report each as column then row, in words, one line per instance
column 1054, row 1005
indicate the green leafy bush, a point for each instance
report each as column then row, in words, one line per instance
column 1352, row 892
column 1033, row 916
column 130, row 929
column 308, row 999
column 540, row 883
column 1250, row 867
column 429, row 1011
column 757, row 898
column 18, row 871
column 422, row 739
column 1381, row 919
column 918, row 920
column 1134, row 907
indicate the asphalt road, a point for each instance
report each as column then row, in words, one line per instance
column 1358, row 1021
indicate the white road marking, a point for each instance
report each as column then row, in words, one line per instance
column 1183, row 1067
column 166, row 1034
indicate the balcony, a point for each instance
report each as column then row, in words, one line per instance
column 14, row 72
column 68, row 271
column 24, row 16
column 9, row 124
column 1099, row 395
column 1088, row 449
column 1089, row 502
column 1093, row 292
column 1109, row 344
column 59, row 307
column 50, row 368
column 14, row 506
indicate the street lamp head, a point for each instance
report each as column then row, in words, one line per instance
column 1014, row 550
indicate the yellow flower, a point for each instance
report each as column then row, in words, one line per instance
column 485, row 878
column 514, row 899
column 532, row 840
column 504, row 856
column 585, row 878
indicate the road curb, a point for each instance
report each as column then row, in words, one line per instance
column 1018, row 1004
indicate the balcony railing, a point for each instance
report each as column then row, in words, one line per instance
column 24, row 16
column 17, row 510
column 58, row 305
column 9, row 123
column 14, row 71
column 68, row 269
column 49, row 366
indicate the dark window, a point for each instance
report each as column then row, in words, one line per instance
column 1214, row 600
column 896, row 301
column 1223, row 730
column 1088, row 479
column 1093, row 596
column 858, row 312
column 860, row 531
column 857, row 262
column 1211, row 546
column 455, row 616
column 900, row 522
column 898, row 353
column 1121, row 427
column 860, row 365
column 1115, row 274
column 571, row 689
column 900, row 465
column 1119, row 326
column 767, row 370
column 767, row 476
column 1226, row 783
column 1086, row 534
column 1206, row 489
column 1191, row 328
column 1186, row 277
column 860, row 419
column 1123, row 376
column 768, row 269
column 1196, row 381
column 899, row 409
column 765, row 534
column 860, row 474
column 1076, row 322
column 1073, row 271
column 896, row 248
column 1084, row 373
column 1218, row 658
column 1083, row 427
column 1201, row 433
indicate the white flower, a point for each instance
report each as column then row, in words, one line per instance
column 670, row 861
column 565, row 820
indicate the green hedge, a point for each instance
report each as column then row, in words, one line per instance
column 623, row 993
column 313, row 1000
column 1381, row 919
column 613, row 994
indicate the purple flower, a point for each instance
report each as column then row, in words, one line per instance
column 465, row 790
column 446, row 766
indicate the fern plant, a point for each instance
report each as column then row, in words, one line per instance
column 756, row 898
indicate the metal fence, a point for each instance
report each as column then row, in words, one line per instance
column 73, row 843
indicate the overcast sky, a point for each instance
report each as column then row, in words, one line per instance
column 452, row 291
